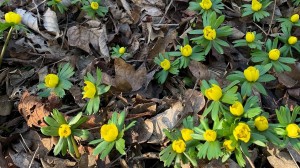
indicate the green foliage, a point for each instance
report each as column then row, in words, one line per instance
column 256, row 44
column 101, row 11
column 287, row 23
column 287, row 49
column 64, row 74
column 217, row 43
column 93, row 104
column 217, row 6
column 65, row 143
column 257, row 15
column 263, row 57
column 115, row 52
column 104, row 147
column 163, row 74
column 56, row 4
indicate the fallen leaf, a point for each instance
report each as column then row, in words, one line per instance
column 199, row 70
column 33, row 110
column 23, row 160
column 282, row 159
column 50, row 22
column 196, row 98
column 6, row 105
column 54, row 162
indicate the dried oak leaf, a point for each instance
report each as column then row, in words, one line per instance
column 33, row 110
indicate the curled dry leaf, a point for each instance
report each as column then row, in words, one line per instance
column 50, row 22
column 28, row 19
column 33, row 110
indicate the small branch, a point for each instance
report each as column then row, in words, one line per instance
column 5, row 44
column 77, row 154
column 272, row 18
column 260, row 28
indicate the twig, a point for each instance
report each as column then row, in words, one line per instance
column 260, row 28
column 5, row 44
column 65, row 31
column 33, row 156
column 158, row 25
column 167, row 9
column 25, row 143
column 272, row 18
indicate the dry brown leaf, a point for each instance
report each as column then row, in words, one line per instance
column 50, row 22
column 282, row 159
column 23, row 160
column 33, row 110
column 199, row 70
column 127, row 78
column 54, row 162
column 196, row 98
column 6, row 105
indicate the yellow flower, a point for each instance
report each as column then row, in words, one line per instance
column 294, row 18
column 242, row 132
column 214, row 93
column 210, row 135
column 236, row 109
column 251, row 74
column 94, row 5
column 209, row 33
column 51, row 80
column 250, row 37
column 58, row 1
column 12, row 17
column 292, row 40
column 178, row 146
column 274, row 54
column 89, row 90
column 261, row 123
column 122, row 50
column 256, row 5
column 109, row 132
column 205, row 4
column 228, row 145
column 186, row 134
column 293, row 131
column 64, row 130
column 165, row 64
column 186, row 50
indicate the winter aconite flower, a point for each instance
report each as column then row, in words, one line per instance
column 109, row 132
column 294, row 18
column 186, row 134
column 251, row 74
column 261, row 123
column 274, row 54
column 12, row 17
column 205, row 4
column 210, row 135
column 292, row 40
column 122, row 50
column 256, row 5
column 236, row 109
column 293, row 130
column 178, row 146
column 214, row 93
column 94, row 5
column 51, row 80
column 242, row 132
column 250, row 37
column 228, row 146
column 186, row 50
column 165, row 64
column 89, row 90
column 64, row 130
column 209, row 33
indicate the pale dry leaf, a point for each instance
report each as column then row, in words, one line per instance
column 199, row 70
column 54, row 162
column 145, row 130
column 23, row 160
column 66, row 3
column 103, row 42
column 282, row 159
column 126, row 6
column 152, row 11
column 6, row 105
column 50, row 22
column 126, row 74
column 196, row 98
column 28, row 19
column 164, row 120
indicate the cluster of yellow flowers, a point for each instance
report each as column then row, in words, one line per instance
column 179, row 146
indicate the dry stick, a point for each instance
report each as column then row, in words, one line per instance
column 33, row 156
column 5, row 44
column 260, row 28
column 272, row 18
column 167, row 9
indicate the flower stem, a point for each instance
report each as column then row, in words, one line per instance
column 5, row 44
column 77, row 154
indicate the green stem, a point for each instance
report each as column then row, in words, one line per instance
column 5, row 44
column 77, row 154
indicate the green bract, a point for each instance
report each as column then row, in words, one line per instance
column 287, row 49
column 210, row 149
column 217, row 6
column 104, row 147
column 64, row 74
column 196, row 54
column 101, row 11
column 279, row 65
column 246, row 86
column 94, row 101
column 256, row 44
column 257, row 15
column 287, row 23
column 214, row 22
column 65, row 143
column 285, row 118
column 56, row 4
column 296, row 2
column 228, row 96
column 168, row 155
column 115, row 52
column 163, row 74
